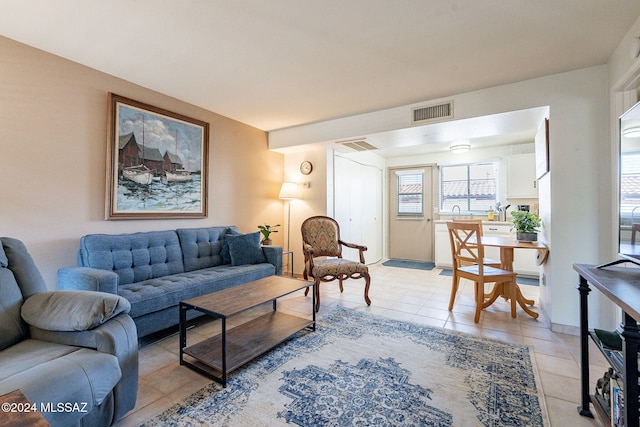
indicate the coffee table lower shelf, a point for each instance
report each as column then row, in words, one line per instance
column 241, row 344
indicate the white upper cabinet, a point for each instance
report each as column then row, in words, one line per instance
column 521, row 176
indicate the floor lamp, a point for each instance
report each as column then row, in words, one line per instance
column 289, row 192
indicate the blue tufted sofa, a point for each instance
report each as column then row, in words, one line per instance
column 155, row 270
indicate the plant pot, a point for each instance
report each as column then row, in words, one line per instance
column 526, row 237
column 266, row 242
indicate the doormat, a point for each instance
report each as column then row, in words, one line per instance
column 519, row 280
column 403, row 263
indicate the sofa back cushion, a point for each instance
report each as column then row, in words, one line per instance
column 133, row 257
column 203, row 247
column 12, row 328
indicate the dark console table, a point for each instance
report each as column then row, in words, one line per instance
column 622, row 286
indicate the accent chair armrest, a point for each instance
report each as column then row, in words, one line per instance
column 274, row 256
column 360, row 249
column 69, row 311
column 88, row 279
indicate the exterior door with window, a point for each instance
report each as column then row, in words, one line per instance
column 410, row 211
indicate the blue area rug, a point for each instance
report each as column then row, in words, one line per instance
column 358, row 369
column 403, row 263
column 519, row 280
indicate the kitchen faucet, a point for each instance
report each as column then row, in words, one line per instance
column 453, row 208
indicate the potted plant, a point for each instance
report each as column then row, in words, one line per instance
column 526, row 225
column 266, row 231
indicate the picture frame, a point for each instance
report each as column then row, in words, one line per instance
column 542, row 150
column 157, row 162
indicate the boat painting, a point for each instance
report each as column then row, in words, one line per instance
column 180, row 175
column 140, row 174
column 159, row 163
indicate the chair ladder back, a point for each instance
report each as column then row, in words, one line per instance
column 465, row 250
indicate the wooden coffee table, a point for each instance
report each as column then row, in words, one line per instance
column 18, row 411
column 215, row 357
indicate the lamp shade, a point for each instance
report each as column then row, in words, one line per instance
column 289, row 191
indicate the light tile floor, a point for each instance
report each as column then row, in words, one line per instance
column 411, row 295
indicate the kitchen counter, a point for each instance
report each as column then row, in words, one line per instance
column 484, row 221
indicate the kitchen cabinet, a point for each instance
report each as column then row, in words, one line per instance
column 524, row 262
column 521, row 177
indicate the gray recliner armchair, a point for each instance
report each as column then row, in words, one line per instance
column 72, row 353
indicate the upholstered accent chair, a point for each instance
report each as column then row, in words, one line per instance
column 321, row 238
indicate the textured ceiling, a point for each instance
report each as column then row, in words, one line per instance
column 281, row 63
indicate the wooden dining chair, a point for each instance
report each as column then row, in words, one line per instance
column 486, row 261
column 467, row 252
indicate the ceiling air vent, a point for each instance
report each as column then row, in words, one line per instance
column 432, row 113
column 357, row 145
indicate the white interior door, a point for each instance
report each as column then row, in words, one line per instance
column 358, row 207
column 410, row 213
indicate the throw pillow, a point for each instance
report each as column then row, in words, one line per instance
column 245, row 249
column 224, row 251
column 72, row 310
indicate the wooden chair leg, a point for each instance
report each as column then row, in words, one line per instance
column 341, row 287
column 455, row 283
column 479, row 290
column 317, row 295
column 367, row 282
column 306, row 277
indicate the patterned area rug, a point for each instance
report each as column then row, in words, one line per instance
column 358, row 369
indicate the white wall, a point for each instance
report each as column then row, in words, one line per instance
column 315, row 197
column 579, row 129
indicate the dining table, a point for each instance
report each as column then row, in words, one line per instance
column 507, row 246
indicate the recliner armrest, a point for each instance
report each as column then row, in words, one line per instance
column 72, row 310
column 118, row 337
column 88, row 279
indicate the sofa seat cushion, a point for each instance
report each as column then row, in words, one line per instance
column 157, row 294
column 56, row 373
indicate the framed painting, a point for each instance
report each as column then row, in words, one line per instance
column 542, row 150
column 156, row 162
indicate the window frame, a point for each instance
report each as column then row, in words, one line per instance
column 400, row 194
column 465, row 203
